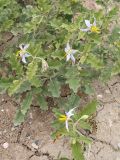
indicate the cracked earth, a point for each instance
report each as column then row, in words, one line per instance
column 32, row 141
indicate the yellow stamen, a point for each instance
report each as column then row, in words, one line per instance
column 18, row 53
column 63, row 118
column 69, row 52
column 95, row 29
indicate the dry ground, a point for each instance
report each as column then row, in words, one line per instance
column 32, row 141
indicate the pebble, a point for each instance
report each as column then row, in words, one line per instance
column 12, row 129
column 99, row 96
column 31, row 116
column 119, row 145
column 3, row 99
column 2, row 110
column 35, row 146
column 5, row 145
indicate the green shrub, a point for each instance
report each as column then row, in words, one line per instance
column 60, row 52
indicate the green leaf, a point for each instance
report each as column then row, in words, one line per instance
column 72, row 102
column 54, row 88
column 84, row 125
column 25, row 86
column 84, row 139
column 14, row 87
column 89, row 109
column 16, row 65
column 77, row 151
column 26, row 103
column 72, row 78
column 94, row 61
column 88, row 89
column 116, row 68
column 113, row 11
column 35, row 81
column 4, row 84
column 42, row 102
column 74, row 83
column 19, row 118
column 31, row 70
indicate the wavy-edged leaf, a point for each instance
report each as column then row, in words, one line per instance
column 42, row 102
column 14, row 87
column 85, row 125
column 74, row 83
column 16, row 66
column 19, row 118
column 4, row 84
column 84, row 139
column 54, row 88
column 89, row 109
column 35, row 81
column 31, row 70
column 72, row 102
column 25, row 86
column 116, row 69
column 26, row 103
column 94, row 61
column 77, row 151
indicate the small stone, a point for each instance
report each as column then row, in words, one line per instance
column 99, row 96
column 119, row 145
column 5, row 145
column 35, row 146
column 31, row 116
column 2, row 110
column 12, row 129
column 3, row 99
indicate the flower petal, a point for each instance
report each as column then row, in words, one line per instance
column 87, row 22
column 21, row 46
column 72, row 58
column 67, row 48
column 26, row 46
column 85, row 30
column 70, row 113
column 68, row 57
column 94, row 23
column 74, row 51
column 66, row 125
column 27, row 54
column 23, row 59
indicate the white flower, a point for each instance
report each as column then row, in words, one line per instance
column 23, row 52
column 67, row 117
column 91, row 27
column 70, row 53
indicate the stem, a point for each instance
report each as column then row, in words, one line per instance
column 37, row 58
